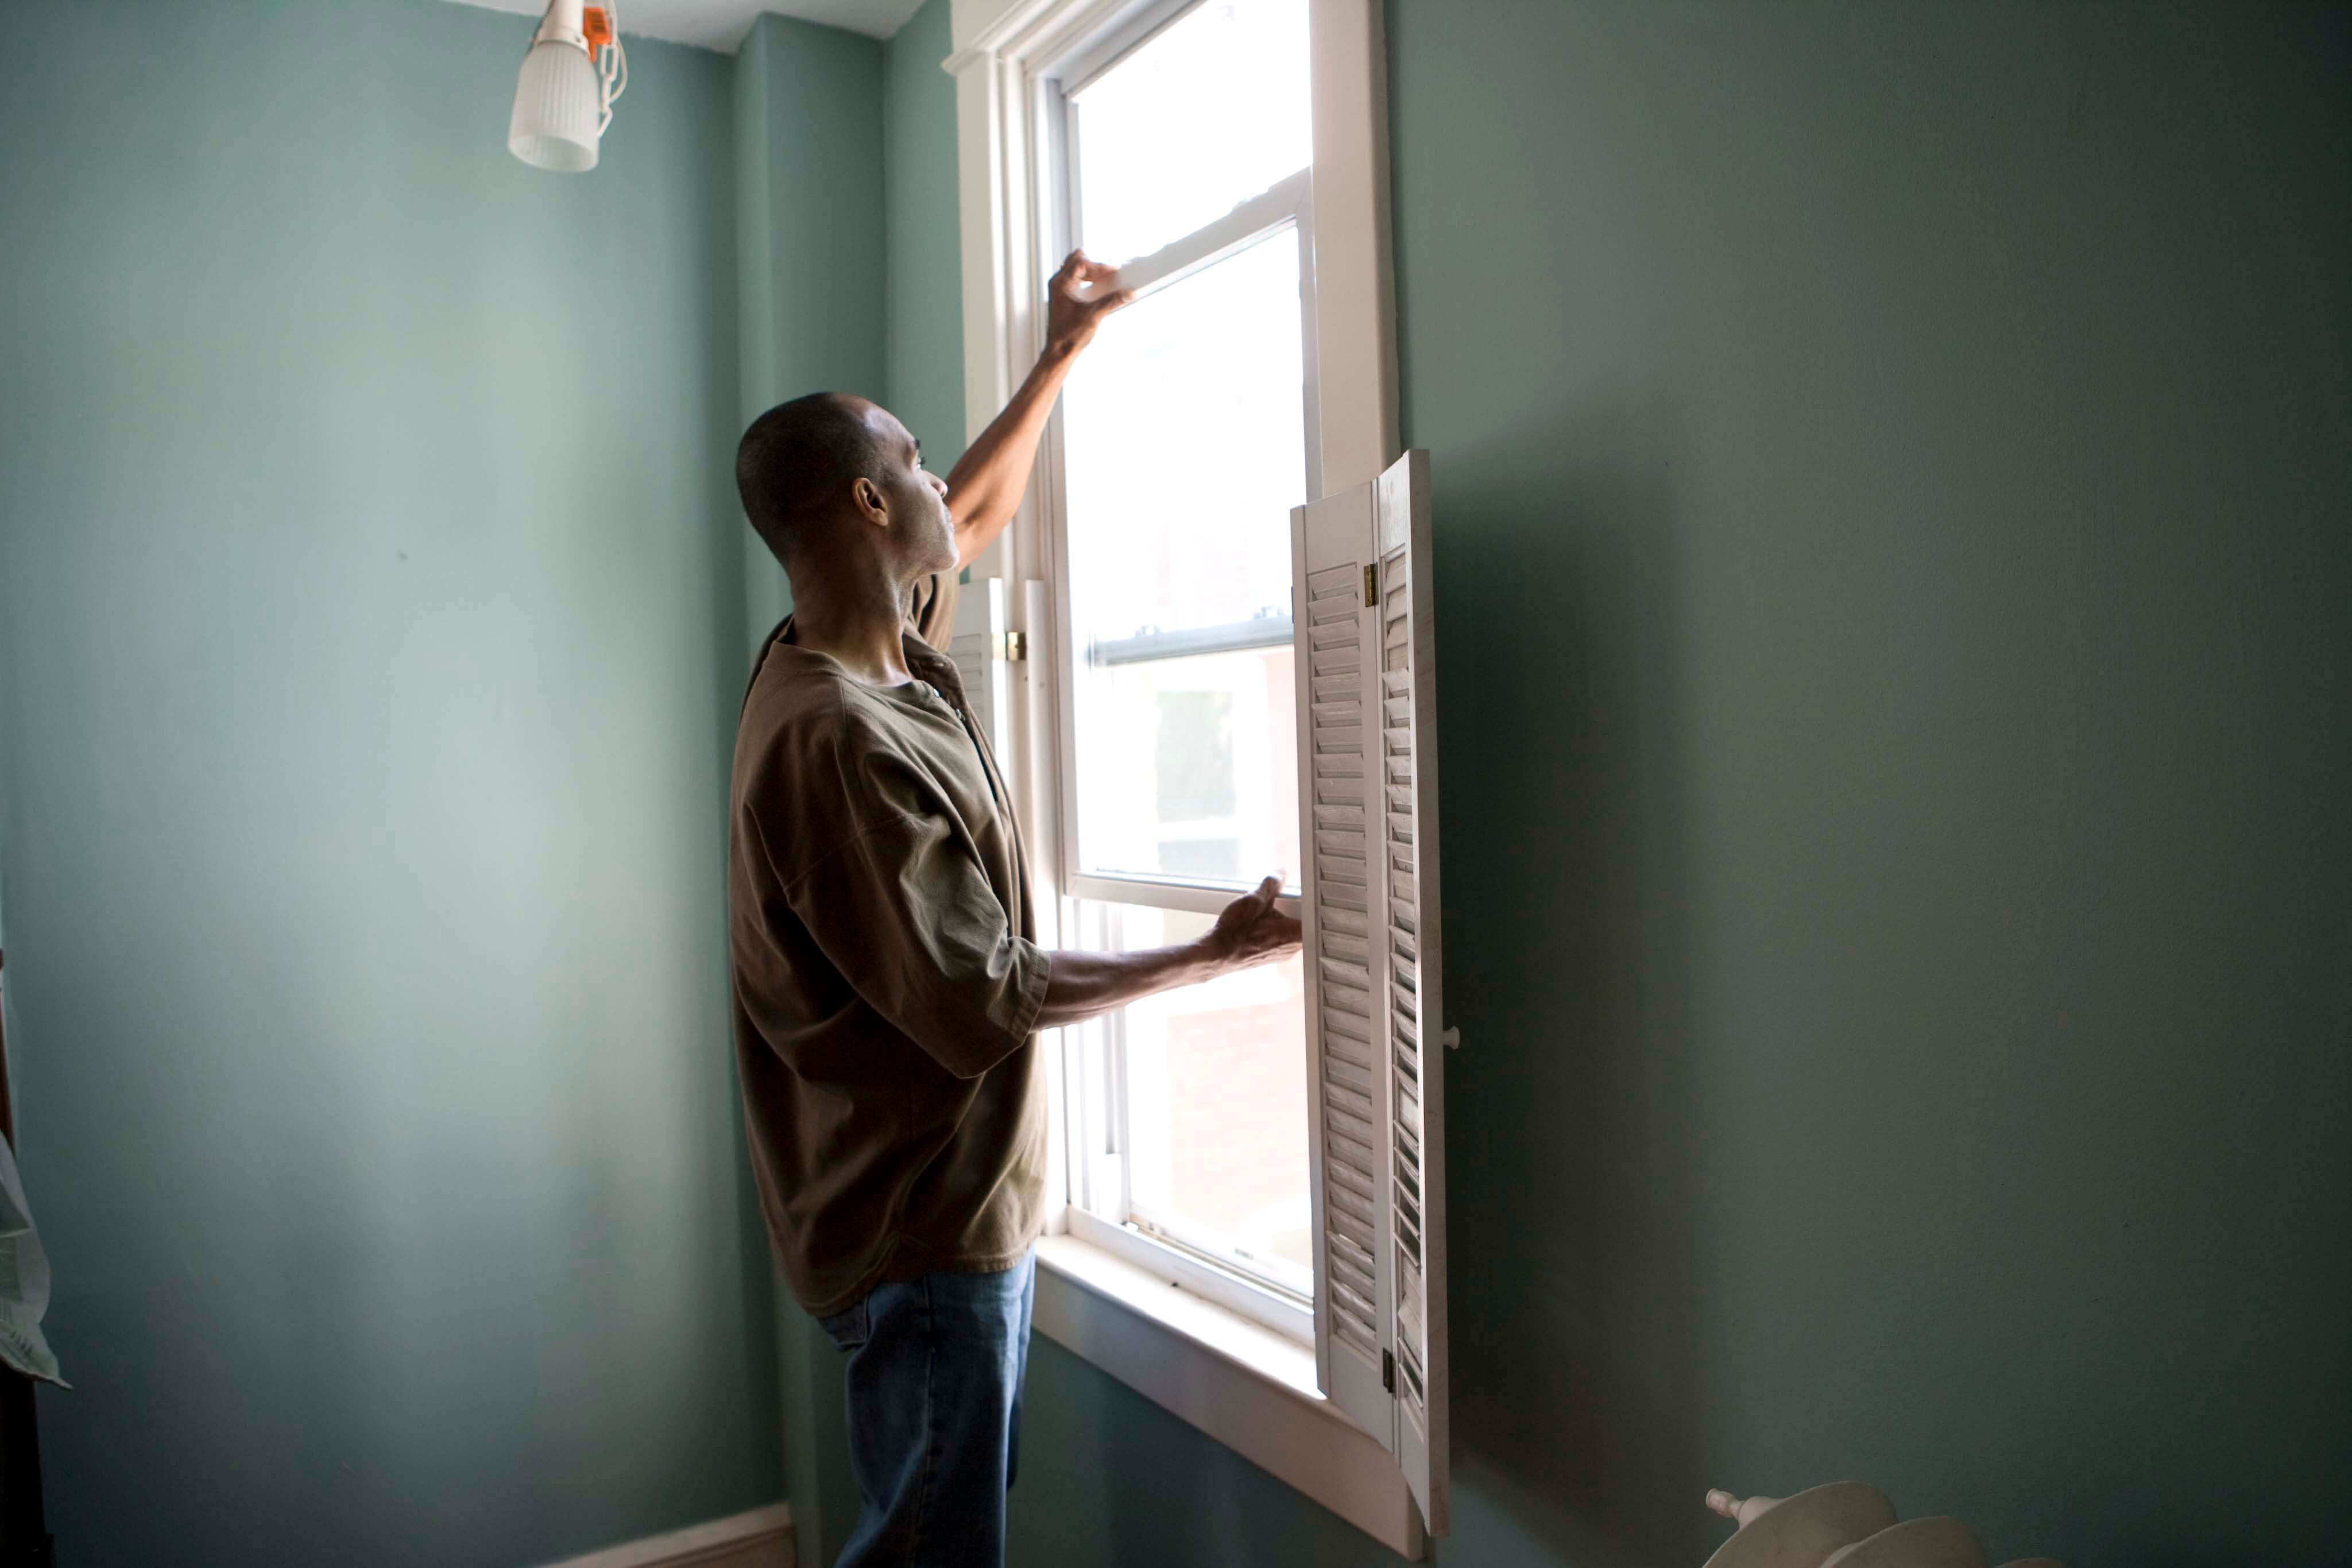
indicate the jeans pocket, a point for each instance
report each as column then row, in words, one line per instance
column 848, row 1326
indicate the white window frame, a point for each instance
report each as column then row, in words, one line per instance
column 1219, row 1351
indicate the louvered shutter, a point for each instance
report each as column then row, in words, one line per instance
column 978, row 649
column 1366, row 646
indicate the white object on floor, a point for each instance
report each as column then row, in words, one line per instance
column 761, row 1538
column 1938, row 1542
column 24, row 1281
column 1802, row 1530
column 1844, row 1525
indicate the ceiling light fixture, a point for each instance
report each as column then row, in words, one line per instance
column 563, row 98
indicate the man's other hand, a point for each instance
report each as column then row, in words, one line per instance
column 1251, row 930
column 1078, row 299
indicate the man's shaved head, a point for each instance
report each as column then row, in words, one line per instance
column 798, row 461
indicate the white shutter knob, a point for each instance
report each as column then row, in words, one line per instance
column 1452, row 1039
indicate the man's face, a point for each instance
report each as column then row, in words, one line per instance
column 915, row 498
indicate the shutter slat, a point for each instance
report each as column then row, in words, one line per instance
column 1355, row 1181
column 1337, row 944
column 1344, row 863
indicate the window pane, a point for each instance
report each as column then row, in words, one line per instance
column 1186, row 450
column 1216, row 1102
column 1203, row 116
column 1189, row 768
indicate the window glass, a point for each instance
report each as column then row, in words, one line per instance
column 1189, row 769
column 1186, row 450
column 1216, row 1104
column 1207, row 114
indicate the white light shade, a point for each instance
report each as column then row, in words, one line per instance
column 558, row 103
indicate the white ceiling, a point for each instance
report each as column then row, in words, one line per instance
column 721, row 24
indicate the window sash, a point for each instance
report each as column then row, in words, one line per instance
column 1101, row 1193
column 1289, row 201
column 1095, row 1060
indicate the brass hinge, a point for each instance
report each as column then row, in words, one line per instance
column 1388, row 1370
column 1014, row 646
column 1370, row 595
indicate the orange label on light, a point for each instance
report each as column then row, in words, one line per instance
column 597, row 24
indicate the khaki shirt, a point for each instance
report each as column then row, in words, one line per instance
column 886, row 978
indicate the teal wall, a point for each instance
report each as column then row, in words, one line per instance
column 370, row 632
column 924, row 304
column 1892, row 469
column 810, row 243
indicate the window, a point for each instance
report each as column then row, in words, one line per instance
column 1182, row 154
column 1234, row 676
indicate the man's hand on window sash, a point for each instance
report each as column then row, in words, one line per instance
column 985, row 486
column 1249, row 931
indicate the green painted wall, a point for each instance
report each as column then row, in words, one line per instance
column 924, row 305
column 1892, row 469
column 810, row 246
column 370, row 632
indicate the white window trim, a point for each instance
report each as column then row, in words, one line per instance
column 1248, row 1388
column 1197, row 1344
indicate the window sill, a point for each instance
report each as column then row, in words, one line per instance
column 1243, row 1385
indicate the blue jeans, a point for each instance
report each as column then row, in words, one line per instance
column 935, row 1369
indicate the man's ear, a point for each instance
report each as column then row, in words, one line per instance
column 867, row 497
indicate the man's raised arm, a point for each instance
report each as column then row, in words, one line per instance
column 985, row 486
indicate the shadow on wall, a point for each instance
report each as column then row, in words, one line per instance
column 1571, row 1184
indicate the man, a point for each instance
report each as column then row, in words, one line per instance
column 887, row 984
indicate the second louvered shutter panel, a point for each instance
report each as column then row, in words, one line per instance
column 1366, row 642
column 1331, row 556
column 1407, row 859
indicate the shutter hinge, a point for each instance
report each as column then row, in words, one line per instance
column 1371, row 594
column 1388, row 1370
column 1014, row 646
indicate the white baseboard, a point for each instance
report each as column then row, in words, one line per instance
column 761, row 1538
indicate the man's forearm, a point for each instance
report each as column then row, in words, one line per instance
column 1082, row 985
column 984, row 487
